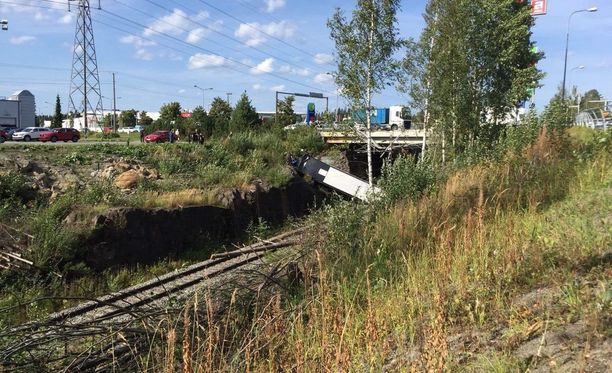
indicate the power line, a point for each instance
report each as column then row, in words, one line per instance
column 240, row 42
column 211, row 29
column 257, row 29
column 209, row 51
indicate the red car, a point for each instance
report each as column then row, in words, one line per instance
column 3, row 136
column 61, row 134
column 157, row 137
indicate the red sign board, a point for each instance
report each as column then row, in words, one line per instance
column 185, row 115
column 538, row 7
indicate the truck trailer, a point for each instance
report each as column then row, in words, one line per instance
column 391, row 118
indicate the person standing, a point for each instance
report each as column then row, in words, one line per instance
column 141, row 136
column 171, row 136
column 176, row 135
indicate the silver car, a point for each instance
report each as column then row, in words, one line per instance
column 29, row 133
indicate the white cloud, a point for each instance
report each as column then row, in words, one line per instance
column 202, row 61
column 21, row 39
column 255, row 33
column 323, row 59
column 196, row 35
column 136, row 41
column 280, row 87
column 272, row 5
column 257, row 86
column 173, row 24
column 139, row 45
column 203, row 15
column 65, row 20
column 40, row 16
column 323, row 78
column 294, row 71
column 143, row 54
column 181, row 91
column 265, row 66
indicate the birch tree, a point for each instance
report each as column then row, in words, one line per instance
column 476, row 61
column 365, row 46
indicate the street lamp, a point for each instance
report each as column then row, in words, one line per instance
column 592, row 9
column 337, row 91
column 203, row 90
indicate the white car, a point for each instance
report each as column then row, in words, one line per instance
column 130, row 129
column 29, row 133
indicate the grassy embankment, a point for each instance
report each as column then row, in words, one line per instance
column 191, row 174
column 390, row 286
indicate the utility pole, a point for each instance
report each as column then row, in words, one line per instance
column 114, row 106
column 85, row 80
column 228, row 96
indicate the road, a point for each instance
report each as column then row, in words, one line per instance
column 69, row 143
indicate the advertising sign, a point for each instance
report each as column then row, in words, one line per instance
column 538, row 7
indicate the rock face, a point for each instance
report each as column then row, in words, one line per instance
column 128, row 172
column 126, row 236
column 127, row 180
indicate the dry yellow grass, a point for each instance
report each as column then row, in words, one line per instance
column 187, row 197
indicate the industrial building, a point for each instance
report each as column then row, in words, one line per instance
column 18, row 110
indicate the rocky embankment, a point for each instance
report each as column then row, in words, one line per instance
column 127, row 236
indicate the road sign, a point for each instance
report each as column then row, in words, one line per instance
column 538, row 7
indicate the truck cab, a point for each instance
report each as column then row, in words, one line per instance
column 399, row 117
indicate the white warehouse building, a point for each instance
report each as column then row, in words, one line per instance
column 18, row 110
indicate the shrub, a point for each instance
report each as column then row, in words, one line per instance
column 407, row 178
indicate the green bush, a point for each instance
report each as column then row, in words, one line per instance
column 407, row 178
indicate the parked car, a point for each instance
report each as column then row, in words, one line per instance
column 3, row 136
column 11, row 131
column 29, row 133
column 131, row 129
column 126, row 130
column 61, row 134
column 157, row 137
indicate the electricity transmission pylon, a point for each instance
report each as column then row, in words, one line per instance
column 85, row 94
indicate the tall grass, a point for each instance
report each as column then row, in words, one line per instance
column 388, row 286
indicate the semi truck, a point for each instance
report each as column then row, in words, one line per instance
column 391, row 118
column 334, row 178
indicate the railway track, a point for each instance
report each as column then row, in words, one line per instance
column 172, row 284
column 120, row 308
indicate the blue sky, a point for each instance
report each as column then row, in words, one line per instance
column 221, row 47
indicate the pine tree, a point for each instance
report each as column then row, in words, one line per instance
column 57, row 120
column 220, row 114
column 286, row 115
column 244, row 116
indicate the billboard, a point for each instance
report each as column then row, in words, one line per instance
column 538, row 7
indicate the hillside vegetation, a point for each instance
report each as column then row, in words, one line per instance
column 494, row 265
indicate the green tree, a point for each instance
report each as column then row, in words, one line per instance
column 589, row 97
column 244, row 116
column 558, row 113
column 474, row 63
column 169, row 112
column 56, row 122
column 199, row 116
column 220, row 114
column 365, row 46
column 128, row 118
column 145, row 119
column 286, row 115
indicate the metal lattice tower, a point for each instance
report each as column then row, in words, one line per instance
column 85, row 94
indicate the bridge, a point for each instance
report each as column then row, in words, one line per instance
column 382, row 138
